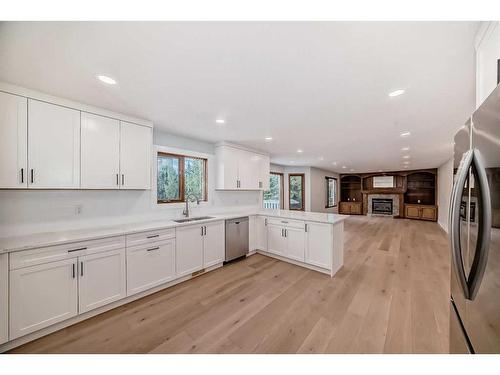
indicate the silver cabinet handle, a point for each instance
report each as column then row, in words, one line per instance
column 305, row 227
column 286, row 232
column 73, row 270
column 154, row 248
column 22, row 175
column 205, row 230
column 202, row 230
column 117, row 179
column 32, row 176
column 265, row 222
column 153, row 236
column 484, row 234
column 455, row 221
column 123, row 179
column 79, row 249
column 284, row 222
column 81, row 268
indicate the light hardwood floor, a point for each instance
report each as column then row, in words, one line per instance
column 391, row 296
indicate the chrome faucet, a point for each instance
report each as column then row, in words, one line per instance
column 186, row 209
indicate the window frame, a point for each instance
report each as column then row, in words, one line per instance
column 335, row 200
column 303, row 177
column 182, row 176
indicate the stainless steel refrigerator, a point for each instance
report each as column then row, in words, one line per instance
column 474, row 225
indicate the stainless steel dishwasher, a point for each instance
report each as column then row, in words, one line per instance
column 236, row 238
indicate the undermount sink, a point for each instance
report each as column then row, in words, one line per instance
column 188, row 219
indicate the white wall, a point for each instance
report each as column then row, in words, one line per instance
column 29, row 211
column 444, row 186
column 315, row 187
column 318, row 190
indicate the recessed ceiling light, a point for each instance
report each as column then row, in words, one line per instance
column 268, row 139
column 106, row 79
column 321, row 158
column 334, row 163
column 406, row 157
column 406, row 162
column 405, row 166
column 344, row 167
column 396, row 93
column 405, row 134
column 300, row 151
column 220, row 121
column 405, row 149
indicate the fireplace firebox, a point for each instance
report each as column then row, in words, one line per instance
column 382, row 206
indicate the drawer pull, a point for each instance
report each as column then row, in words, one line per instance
column 153, row 236
column 154, row 248
column 79, row 249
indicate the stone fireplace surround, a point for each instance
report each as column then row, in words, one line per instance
column 395, row 203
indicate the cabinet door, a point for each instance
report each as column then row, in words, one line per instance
column 100, row 152
column 275, row 240
column 355, row 208
column 264, row 172
column 135, row 156
column 319, row 245
column 41, row 296
column 150, row 265
column 227, row 168
column 13, row 141
column 189, row 250
column 248, row 170
column 4, row 298
column 295, row 246
column 261, row 233
column 53, row 146
column 101, row 279
column 412, row 212
column 428, row 213
column 345, row 208
column 213, row 244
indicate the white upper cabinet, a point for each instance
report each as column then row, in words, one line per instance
column 53, row 146
column 13, row 141
column 487, row 60
column 240, row 169
column 100, row 152
column 135, row 156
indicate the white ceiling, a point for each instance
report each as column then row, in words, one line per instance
column 317, row 86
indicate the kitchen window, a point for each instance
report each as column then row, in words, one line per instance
column 296, row 192
column 331, row 192
column 273, row 198
column 179, row 177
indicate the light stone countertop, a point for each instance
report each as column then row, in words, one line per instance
column 30, row 241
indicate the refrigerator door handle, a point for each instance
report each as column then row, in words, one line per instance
column 456, row 250
column 484, row 233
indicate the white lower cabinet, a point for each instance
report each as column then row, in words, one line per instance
column 150, row 265
column 261, row 230
column 102, row 279
column 42, row 295
column 213, row 244
column 295, row 246
column 189, row 249
column 319, row 245
column 275, row 239
column 4, row 298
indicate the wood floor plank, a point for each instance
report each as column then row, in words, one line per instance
column 391, row 296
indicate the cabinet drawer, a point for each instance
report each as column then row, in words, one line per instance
column 150, row 236
column 55, row 253
column 286, row 222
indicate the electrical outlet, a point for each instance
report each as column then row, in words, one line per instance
column 78, row 209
